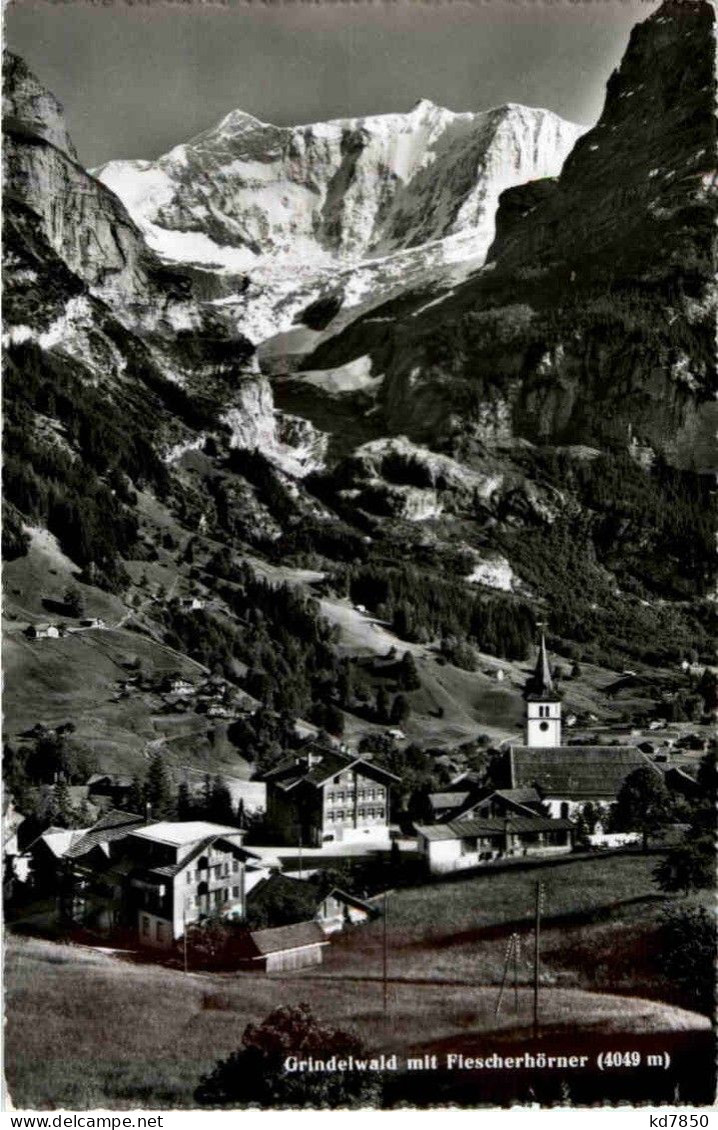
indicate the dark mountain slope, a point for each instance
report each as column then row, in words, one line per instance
column 594, row 321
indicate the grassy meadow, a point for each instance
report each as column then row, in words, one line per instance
column 87, row 1028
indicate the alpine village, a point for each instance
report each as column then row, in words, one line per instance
column 359, row 618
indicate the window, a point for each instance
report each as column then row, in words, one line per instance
column 235, row 892
column 226, row 870
column 380, row 813
column 160, row 932
column 340, row 814
column 543, row 726
column 145, row 926
column 218, row 898
column 189, row 876
column 235, row 865
column 216, row 871
column 340, row 797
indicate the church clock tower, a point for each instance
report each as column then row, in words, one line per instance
column 543, row 705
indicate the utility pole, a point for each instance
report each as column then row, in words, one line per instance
column 517, row 943
column 184, row 936
column 537, row 953
column 385, row 956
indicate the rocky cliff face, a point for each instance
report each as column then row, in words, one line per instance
column 26, row 102
column 594, row 319
column 639, row 188
column 73, row 254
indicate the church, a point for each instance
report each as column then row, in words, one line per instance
column 566, row 777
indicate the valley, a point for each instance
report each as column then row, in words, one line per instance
column 359, row 587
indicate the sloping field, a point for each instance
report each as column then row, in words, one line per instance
column 168, row 1028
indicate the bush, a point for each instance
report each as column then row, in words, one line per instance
column 688, row 943
column 256, row 1072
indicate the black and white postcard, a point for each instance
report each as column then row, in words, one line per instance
column 359, row 555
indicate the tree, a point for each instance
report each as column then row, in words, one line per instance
column 257, row 1072
column 220, row 802
column 74, row 603
column 184, row 801
column 400, row 710
column 688, row 943
column 158, row 790
column 241, row 818
column 643, row 803
column 382, row 704
column 408, row 677
column 688, row 867
column 62, row 804
column 136, row 797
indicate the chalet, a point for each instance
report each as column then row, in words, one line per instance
column 470, row 843
column 191, row 604
column 338, row 909
column 320, row 795
column 284, row 947
column 42, row 632
column 565, row 777
column 92, row 622
column 155, row 879
column 280, row 898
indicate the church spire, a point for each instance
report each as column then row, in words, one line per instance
column 542, row 681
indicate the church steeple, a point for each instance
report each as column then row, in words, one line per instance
column 542, row 684
column 543, row 704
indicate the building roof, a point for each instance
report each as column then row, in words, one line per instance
column 169, row 870
column 577, row 772
column 181, row 833
column 317, row 765
column 351, row 900
column 491, row 826
column 61, row 841
column 277, row 939
column 114, row 825
column 527, row 795
column 439, row 801
column 509, row 796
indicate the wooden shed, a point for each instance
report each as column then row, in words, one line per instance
column 285, row 947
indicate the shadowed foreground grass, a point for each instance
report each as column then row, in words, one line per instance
column 87, row 1030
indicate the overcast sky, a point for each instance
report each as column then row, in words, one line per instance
column 137, row 79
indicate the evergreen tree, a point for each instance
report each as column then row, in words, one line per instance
column 383, row 705
column 400, row 710
column 74, row 604
column 241, row 817
column 408, row 677
column 184, row 802
column 136, row 797
column 62, row 804
column 220, row 806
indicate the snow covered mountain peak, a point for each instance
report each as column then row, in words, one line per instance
column 250, row 197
